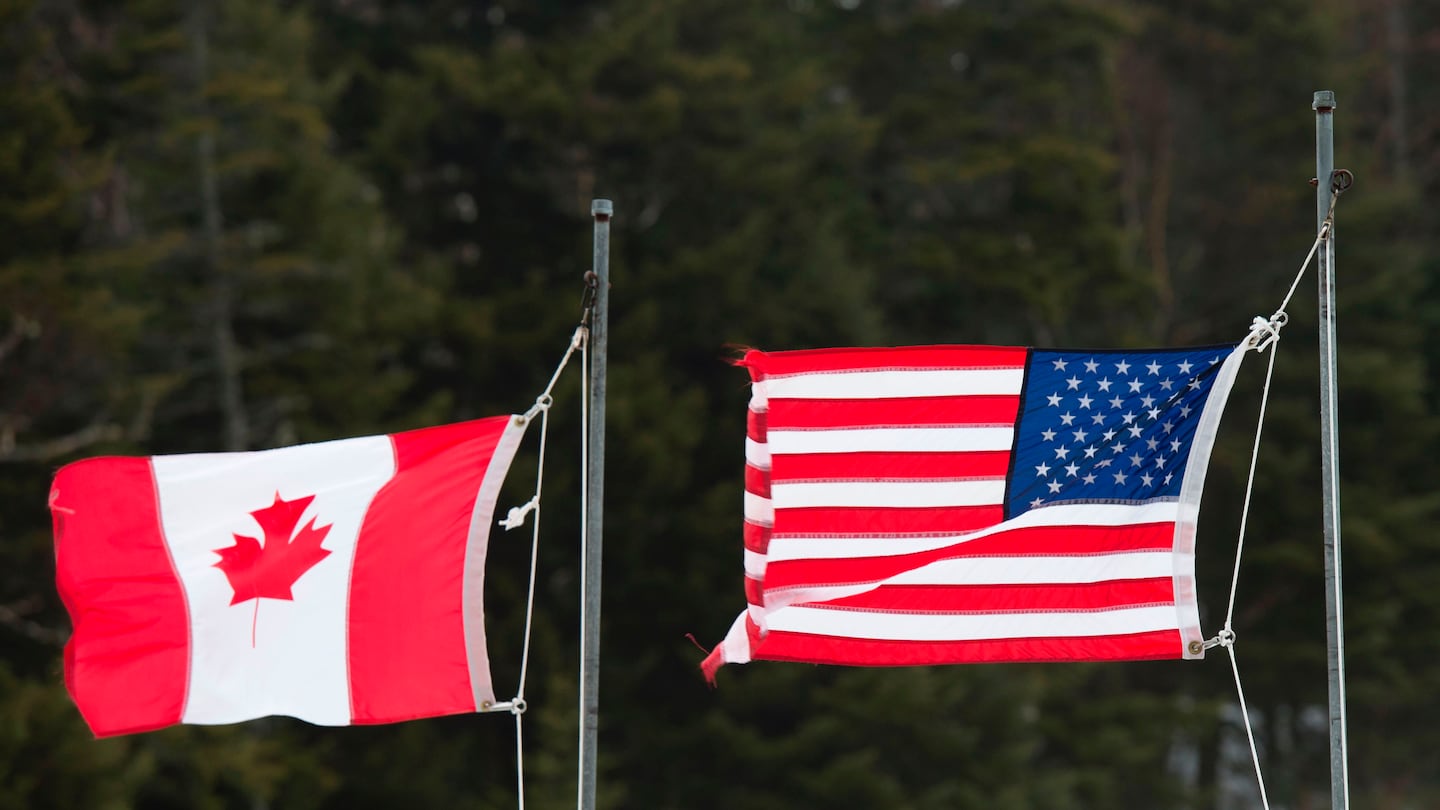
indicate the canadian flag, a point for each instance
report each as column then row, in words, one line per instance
column 339, row 582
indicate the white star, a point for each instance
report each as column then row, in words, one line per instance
column 1153, row 367
column 1175, row 446
column 1146, row 480
column 1118, row 448
column 1147, row 400
column 1153, row 444
column 1091, row 366
column 1167, row 383
column 1080, row 436
column 1098, row 419
column 1072, row 469
column 1067, row 419
column 1108, row 435
column 1122, row 367
column 1062, row 452
column 1116, row 403
column 1036, row 504
column 1214, row 360
column 1119, row 477
column 1090, row 451
column 1059, row 364
column 1184, row 367
column 1074, row 383
column 1104, row 462
column 1135, row 431
column 1195, row 384
column 1104, row 385
column 1054, row 399
column 1184, row 411
column 1134, row 386
column 1128, row 417
column 1054, row 487
column 1160, row 462
column 1049, row 435
column 1136, row 460
column 1089, row 479
column 1042, row 469
column 1085, row 401
column 1168, row 426
column 1168, row 476
column 1153, row 413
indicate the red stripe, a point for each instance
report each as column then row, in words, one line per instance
column 1034, row 541
column 817, row 360
column 754, row 591
column 799, row 414
column 407, row 628
column 890, row 466
column 755, row 422
column 757, row 481
column 757, row 537
column 787, row 646
column 127, row 662
column 856, row 521
column 1010, row 598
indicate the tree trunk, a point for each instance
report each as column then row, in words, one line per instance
column 1396, row 46
column 222, row 294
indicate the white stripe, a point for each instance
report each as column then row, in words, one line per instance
column 736, row 646
column 1187, row 606
column 984, row 492
column 1034, row 570
column 759, row 402
column 754, row 564
column 1039, row 570
column 970, row 627
column 298, row 664
column 891, row 440
column 839, row 548
column 472, row 594
column 757, row 454
column 759, row 510
column 796, row 547
column 889, row 384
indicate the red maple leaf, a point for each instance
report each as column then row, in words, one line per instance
column 267, row 572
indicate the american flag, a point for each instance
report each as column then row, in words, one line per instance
column 960, row 504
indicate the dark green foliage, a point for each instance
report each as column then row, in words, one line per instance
column 244, row 223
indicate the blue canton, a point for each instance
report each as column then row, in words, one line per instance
column 1108, row 426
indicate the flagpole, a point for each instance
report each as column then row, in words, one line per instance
column 601, row 210
column 1324, row 106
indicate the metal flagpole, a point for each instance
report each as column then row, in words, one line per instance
column 1325, row 187
column 595, row 508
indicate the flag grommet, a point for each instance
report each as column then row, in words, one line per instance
column 1196, row 647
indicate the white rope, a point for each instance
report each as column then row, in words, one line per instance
column 519, row 761
column 1250, row 484
column 1305, row 265
column 1245, row 715
column 514, row 519
column 1264, row 333
column 584, row 549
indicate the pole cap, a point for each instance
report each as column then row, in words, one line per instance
column 1324, row 100
column 601, row 208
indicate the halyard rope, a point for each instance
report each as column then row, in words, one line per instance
column 1264, row 333
column 516, row 518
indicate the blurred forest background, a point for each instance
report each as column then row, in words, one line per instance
column 237, row 224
